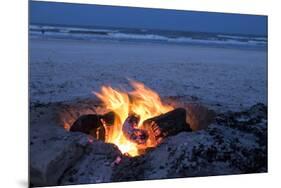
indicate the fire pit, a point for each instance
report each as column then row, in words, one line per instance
column 134, row 121
column 127, row 146
column 123, row 134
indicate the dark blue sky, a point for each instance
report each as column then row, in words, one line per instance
column 97, row 15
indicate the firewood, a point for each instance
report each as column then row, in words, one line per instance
column 93, row 124
column 132, row 133
column 109, row 118
column 168, row 124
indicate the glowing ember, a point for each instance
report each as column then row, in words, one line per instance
column 142, row 101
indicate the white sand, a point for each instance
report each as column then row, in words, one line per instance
column 63, row 70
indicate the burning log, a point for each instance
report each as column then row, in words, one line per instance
column 167, row 124
column 90, row 124
column 132, row 133
column 93, row 124
column 109, row 118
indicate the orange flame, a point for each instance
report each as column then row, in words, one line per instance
column 141, row 101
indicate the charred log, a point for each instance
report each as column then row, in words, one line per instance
column 93, row 124
column 168, row 124
column 89, row 124
column 132, row 133
column 109, row 118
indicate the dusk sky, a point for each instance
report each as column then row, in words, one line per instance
column 97, row 15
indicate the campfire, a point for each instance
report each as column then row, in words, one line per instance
column 135, row 120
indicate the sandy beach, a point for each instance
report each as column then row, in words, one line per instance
column 188, row 89
column 228, row 77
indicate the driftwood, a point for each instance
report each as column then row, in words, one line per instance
column 168, row 124
column 93, row 124
column 132, row 133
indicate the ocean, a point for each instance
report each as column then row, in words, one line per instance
column 146, row 35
